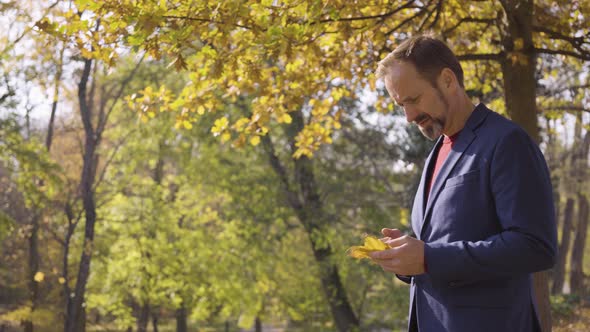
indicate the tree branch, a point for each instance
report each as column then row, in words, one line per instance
column 103, row 120
column 575, row 41
column 206, row 20
column 479, row 57
column 27, row 30
column 468, row 20
column 84, row 108
column 360, row 18
column 281, row 172
column 409, row 19
column 437, row 16
column 581, row 56
column 425, row 19
column 548, row 92
column 111, row 157
column 568, row 108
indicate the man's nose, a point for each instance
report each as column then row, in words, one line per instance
column 411, row 113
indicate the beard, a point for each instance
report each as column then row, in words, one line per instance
column 434, row 129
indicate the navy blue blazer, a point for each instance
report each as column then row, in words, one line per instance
column 488, row 223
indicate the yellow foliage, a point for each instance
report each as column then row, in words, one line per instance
column 280, row 54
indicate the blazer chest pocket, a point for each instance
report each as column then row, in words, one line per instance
column 471, row 176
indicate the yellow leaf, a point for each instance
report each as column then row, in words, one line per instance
column 61, row 280
column 187, row 124
column 518, row 44
column 286, row 118
column 219, row 126
column 255, row 140
column 226, row 136
column 239, row 125
column 39, row 276
column 86, row 54
column 371, row 244
column 201, row 110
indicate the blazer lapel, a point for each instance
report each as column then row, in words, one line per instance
column 465, row 139
column 421, row 193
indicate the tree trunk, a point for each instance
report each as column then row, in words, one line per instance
column 308, row 207
column 518, row 69
column 56, row 84
column 74, row 317
column 580, row 175
column 518, row 65
column 33, row 269
column 564, row 246
column 181, row 321
column 258, row 325
column 154, row 322
column 143, row 317
column 65, row 264
column 577, row 259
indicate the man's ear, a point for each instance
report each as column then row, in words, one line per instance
column 447, row 79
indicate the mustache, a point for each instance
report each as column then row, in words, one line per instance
column 421, row 118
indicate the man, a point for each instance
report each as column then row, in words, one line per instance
column 483, row 215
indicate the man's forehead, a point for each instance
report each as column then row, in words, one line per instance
column 399, row 92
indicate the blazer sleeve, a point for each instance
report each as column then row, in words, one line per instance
column 523, row 200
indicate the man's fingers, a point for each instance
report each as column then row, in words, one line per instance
column 397, row 242
column 392, row 232
column 384, row 254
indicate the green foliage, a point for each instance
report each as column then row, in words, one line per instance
column 36, row 175
column 564, row 304
column 41, row 317
column 6, row 225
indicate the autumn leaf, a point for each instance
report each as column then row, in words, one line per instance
column 39, row 276
column 255, row 140
column 220, row 125
column 371, row 244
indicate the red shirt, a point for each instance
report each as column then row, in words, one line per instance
column 442, row 154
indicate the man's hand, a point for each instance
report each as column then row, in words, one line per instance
column 406, row 256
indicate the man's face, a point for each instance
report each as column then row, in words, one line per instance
column 423, row 104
